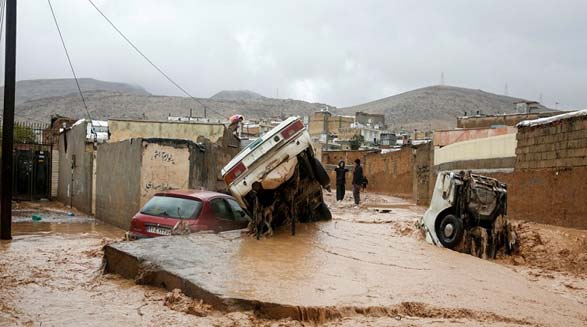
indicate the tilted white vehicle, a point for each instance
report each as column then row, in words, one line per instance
column 468, row 213
column 278, row 179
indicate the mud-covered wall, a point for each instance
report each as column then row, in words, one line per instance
column 548, row 196
column 75, row 184
column 562, row 143
column 389, row 173
column 117, row 181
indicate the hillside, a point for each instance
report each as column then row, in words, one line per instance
column 425, row 108
column 28, row 90
column 107, row 104
column 435, row 106
column 237, row 95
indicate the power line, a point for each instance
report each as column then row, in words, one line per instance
column 69, row 60
column 151, row 62
column 2, row 7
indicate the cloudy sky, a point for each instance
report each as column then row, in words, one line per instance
column 337, row 52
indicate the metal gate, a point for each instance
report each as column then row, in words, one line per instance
column 31, row 179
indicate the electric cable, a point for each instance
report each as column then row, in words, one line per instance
column 70, row 63
column 179, row 87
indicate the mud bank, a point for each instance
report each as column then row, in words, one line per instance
column 347, row 268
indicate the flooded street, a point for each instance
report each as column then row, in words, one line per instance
column 367, row 266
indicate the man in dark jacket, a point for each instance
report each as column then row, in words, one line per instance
column 340, row 180
column 358, row 180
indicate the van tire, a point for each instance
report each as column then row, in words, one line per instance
column 322, row 212
column 450, row 231
column 320, row 173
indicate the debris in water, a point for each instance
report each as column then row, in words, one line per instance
column 37, row 217
column 176, row 300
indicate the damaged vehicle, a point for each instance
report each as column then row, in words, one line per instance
column 187, row 211
column 468, row 213
column 278, row 179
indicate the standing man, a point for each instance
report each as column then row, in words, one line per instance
column 357, row 181
column 340, row 180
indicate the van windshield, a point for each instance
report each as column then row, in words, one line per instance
column 171, row 207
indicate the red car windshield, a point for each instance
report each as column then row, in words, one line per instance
column 170, row 207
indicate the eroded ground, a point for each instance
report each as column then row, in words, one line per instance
column 50, row 274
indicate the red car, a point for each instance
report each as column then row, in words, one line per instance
column 172, row 211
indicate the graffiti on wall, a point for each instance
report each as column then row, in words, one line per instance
column 163, row 168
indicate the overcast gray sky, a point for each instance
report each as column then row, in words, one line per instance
column 337, row 52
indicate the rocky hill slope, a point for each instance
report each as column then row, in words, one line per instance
column 113, row 104
column 237, row 95
column 435, row 106
column 425, row 108
column 28, row 90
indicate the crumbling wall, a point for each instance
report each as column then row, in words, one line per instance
column 207, row 160
column 118, row 178
column 75, row 168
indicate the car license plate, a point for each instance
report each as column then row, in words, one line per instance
column 159, row 230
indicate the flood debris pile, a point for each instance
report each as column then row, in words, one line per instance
column 468, row 213
column 550, row 248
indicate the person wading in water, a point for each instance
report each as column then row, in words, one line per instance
column 358, row 181
column 340, row 180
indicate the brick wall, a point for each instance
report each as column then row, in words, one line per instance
column 548, row 196
column 559, row 144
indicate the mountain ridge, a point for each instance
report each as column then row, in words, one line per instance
column 436, row 106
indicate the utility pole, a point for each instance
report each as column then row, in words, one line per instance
column 8, row 123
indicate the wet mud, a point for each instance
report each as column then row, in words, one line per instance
column 363, row 263
column 365, row 267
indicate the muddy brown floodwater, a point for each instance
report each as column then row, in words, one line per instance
column 51, row 275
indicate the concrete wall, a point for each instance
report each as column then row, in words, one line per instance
column 130, row 172
column 165, row 166
column 423, row 164
column 118, row 181
column 127, row 129
column 559, row 144
column 502, row 146
column 76, row 190
column 446, row 137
